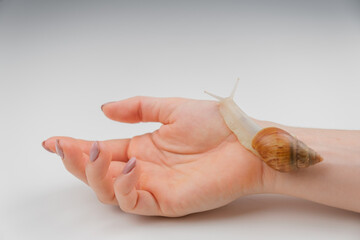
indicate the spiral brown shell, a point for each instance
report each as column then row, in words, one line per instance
column 283, row 152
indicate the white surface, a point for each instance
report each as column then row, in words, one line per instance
column 60, row 60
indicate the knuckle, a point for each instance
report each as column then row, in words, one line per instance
column 93, row 175
column 106, row 199
column 139, row 97
column 96, row 178
column 128, row 204
column 124, row 208
column 69, row 167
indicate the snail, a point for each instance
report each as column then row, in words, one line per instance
column 276, row 147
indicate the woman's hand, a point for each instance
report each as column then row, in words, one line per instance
column 192, row 163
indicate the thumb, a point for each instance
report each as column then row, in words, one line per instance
column 142, row 109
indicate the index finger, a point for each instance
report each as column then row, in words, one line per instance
column 118, row 147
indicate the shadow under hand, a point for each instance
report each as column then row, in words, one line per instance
column 262, row 205
column 74, row 209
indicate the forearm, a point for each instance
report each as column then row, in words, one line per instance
column 335, row 181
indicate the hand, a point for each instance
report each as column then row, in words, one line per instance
column 192, row 163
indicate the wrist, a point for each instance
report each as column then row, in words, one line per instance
column 272, row 180
column 334, row 182
column 283, row 183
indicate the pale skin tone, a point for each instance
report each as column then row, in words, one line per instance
column 194, row 163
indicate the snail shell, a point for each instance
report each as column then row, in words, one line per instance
column 283, row 152
column 276, row 147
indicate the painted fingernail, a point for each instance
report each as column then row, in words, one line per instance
column 58, row 148
column 102, row 106
column 94, row 152
column 129, row 165
column 45, row 147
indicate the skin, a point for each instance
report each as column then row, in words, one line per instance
column 194, row 163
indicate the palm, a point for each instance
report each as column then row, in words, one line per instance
column 193, row 162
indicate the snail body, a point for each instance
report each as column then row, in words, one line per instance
column 276, row 147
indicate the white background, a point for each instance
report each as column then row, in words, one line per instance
column 298, row 61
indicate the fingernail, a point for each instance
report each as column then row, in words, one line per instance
column 59, row 150
column 94, row 152
column 129, row 165
column 102, row 106
column 45, row 147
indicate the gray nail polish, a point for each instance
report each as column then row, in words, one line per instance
column 45, row 147
column 102, row 106
column 94, row 152
column 59, row 150
column 129, row 165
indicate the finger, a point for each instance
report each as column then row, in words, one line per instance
column 75, row 153
column 129, row 198
column 49, row 144
column 98, row 175
column 142, row 109
column 118, row 147
column 73, row 158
